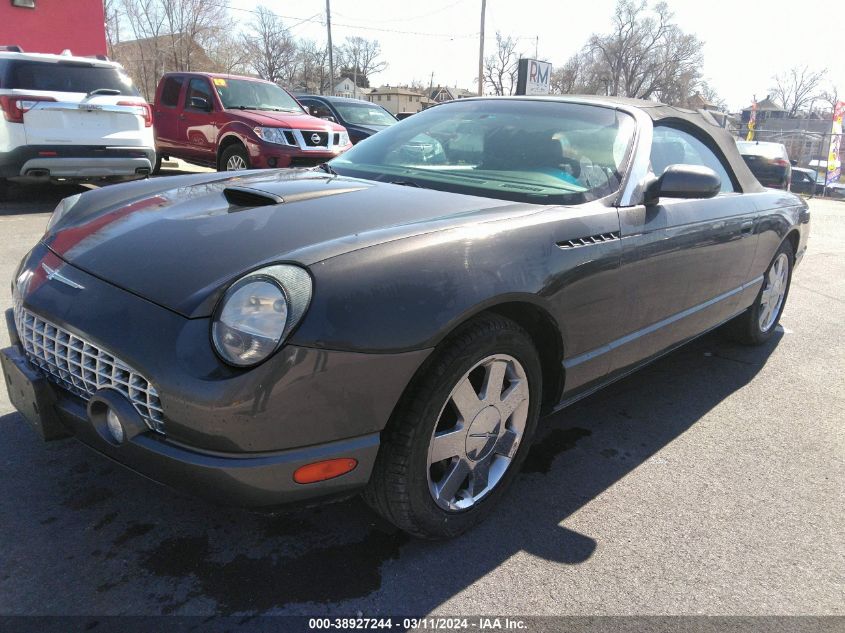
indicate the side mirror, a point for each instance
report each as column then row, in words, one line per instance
column 683, row 181
column 794, row 162
column 199, row 103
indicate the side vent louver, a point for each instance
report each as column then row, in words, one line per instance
column 247, row 197
column 589, row 240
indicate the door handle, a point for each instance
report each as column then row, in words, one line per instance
column 747, row 227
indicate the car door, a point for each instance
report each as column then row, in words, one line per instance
column 684, row 262
column 197, row 123
column 167, row 114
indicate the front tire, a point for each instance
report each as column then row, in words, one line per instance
column 234, row 158
column 460, row 433
column 757, row 325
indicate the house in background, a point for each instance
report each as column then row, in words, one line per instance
column 52, row 26
column 439, row 94
column 146, row 60
column 347, row 88
column 398, row 99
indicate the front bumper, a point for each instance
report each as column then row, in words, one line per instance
column 76, row 162
column 249, row 480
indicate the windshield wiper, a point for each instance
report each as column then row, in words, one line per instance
column 103, row 91
column 405, row 183
column 327, row 168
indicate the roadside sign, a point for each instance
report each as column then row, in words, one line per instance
column 534, row 77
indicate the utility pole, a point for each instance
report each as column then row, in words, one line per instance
column 480, row 50
column 331, row 49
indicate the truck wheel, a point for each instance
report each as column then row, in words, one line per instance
column 234, row 158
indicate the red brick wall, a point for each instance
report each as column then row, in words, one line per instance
column 54, row 25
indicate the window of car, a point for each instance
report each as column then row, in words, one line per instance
column 527, row 151
column 245, row 94
column 673, row 146
column 320, row 109
column 364, row 113
column 197, row 88
column 68, row 76
column 170, row 91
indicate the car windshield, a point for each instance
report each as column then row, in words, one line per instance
column 768, row 150
column 522, row 150
column 69, row 77
column 254, row 95
column 363, row 114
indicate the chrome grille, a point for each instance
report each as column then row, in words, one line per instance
column 82, row 368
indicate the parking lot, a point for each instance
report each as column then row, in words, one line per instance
column 709, row 483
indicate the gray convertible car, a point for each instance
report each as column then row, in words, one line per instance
column 396, row 321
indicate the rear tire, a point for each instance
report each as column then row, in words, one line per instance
column 443, row 467
column 4, row 189
column 757, row 325
column 157, row 165
column 235, row 157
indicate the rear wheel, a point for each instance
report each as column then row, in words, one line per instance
column 457, row 439
column 757, row 325
column 234, row 158
column 4, row 188
column 157, row 165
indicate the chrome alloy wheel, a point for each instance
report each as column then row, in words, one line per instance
column 773, row 293
column 478, row 432
column 235, row 163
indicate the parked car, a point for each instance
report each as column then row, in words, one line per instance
column 361, row 119
column 804, row 181
column 401, row 116
column 769, row 162
column 394, row 322
column 70, row 118
column 230, row 122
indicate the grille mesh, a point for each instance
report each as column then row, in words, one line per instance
column 82, row 368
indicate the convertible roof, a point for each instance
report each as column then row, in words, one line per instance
column 703, row 126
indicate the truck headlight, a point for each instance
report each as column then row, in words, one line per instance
column 272, row 135
column 258, row 312
column 62, row 210
column 343, row 141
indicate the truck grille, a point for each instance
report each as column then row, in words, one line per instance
column 82, row 368
column 315, row 138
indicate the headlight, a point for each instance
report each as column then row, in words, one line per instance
column 344, row 139
column 272, row 135
column 62, row 209
column 257, row 313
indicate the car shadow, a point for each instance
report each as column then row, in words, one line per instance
column 119, row 539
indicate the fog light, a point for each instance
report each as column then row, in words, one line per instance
column 115, row 427
column 320, row 471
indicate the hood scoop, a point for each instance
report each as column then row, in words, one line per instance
column 248, row 197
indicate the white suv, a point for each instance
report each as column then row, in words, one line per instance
column 70, row 118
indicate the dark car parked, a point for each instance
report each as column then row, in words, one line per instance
column 769, row 162
column 361, row 119
column 805, row 181
column 396, row 321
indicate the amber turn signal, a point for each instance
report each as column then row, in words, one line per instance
column 320, row 471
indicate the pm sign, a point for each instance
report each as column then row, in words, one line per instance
column 534, row 77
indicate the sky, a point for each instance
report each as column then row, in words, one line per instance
column 743, row 47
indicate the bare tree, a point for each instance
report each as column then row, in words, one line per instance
column 796, row 88
column 111, row 14
column 644, row 56
column 191, row 26
column 360, row 59
column 501, row 67
column 830, row 97
column 313, row 67
column 146, row 22
column 227, row 52
column 270, row 47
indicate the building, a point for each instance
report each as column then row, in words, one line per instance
column 52, row 26
column 396, row 99
column 439, row 94
column 347, row 88
column 146, row 60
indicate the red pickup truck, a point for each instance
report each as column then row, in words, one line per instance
column 231, row 122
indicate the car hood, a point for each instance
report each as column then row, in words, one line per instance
column 179, row 242
column 294, row 120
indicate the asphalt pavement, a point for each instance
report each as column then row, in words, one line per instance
column 710, row 482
